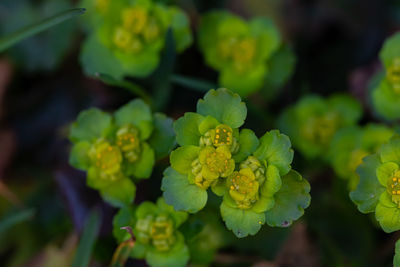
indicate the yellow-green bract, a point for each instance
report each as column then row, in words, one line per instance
column 351, row 144
column 379, row 187
column 116, row 148
column 243, row 51
column 127, row 37
column 312, row 122
column 253, row 175
column 386, row 85
column 155, row 227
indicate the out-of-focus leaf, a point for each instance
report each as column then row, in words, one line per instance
column 88, row 238
column 9, row 221
column 162, row 85
column 192, row 83
column 11, row 39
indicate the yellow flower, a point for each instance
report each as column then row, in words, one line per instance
column 393, row 75
column 106, row 157
column 211, row 164
column 129, row 143
column 394, row 187
column 243, row 188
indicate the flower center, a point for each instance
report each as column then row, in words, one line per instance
column 129, row 143
column 243, row 188
column 223, row 135
column 135, row 19
column 137, row 27
column 394, row 187
column 159, row 231
column 106, row 157
column 240, row 50
column 256, row 166
column 212, row 164
column 321, row 129
column 393, row 75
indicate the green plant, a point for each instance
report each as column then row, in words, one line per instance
column 313, row 121
column 253, row 175
column 114, row 149
column 155, row 227
column 242, row 51
column 386, row 84
column 351, row 144
column 129, row 36
column 379, row 187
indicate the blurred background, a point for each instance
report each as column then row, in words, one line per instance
column 44, row 202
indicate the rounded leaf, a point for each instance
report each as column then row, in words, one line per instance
column 187, row 129
column 162, row 140
column 290, row 200
column 137, row 113
column 181, row 158
column 275, row 148
column 241, row 222
column 143, row 167
column 182, row 195
column 225, row 106
column 119, row 193
column 90, row 125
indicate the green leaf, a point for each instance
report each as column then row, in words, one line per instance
column 348, row 107
column 119, row 193
column 385, row 172
column 143, row 167
column 390, row 50
column 181, row 158
column 207, row 124
column 146, row 208
column 95, row 65
column 79, row 157
column 180, row 194
column 124, row 217
column 280, row 68
column 179, row 217
column 387, row 213
column 137, row 113
column 162, row 140
column 94, row 179
column 180, row 25
column 273, row 182
column 88, row 238
column 90, row 125
column 225, row 106
column 396, row 259
column 391, row 150
column 139, row 251
column 187, row 129
column 178, row 256
column 368, row 191
column 290, row 200
column 244, row 83
column 9, row 220
column 11, row 39
column 248, row 143
column 275, row 148
column 267, row 34
column 241, row 222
